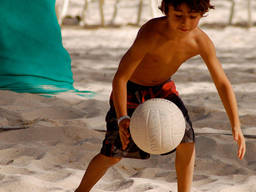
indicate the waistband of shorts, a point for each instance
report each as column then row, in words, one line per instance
column 132, row 85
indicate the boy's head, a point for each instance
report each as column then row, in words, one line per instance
column 201, row 6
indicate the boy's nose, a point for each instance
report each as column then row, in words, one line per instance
column 184, row 21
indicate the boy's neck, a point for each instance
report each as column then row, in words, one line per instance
column 175, row 35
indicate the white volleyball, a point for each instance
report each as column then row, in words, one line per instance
column 157, row 126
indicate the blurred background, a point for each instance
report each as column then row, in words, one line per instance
column 123, row 12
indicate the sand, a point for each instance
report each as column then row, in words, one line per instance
column 46, row 143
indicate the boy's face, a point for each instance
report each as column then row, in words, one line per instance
column 182, row 19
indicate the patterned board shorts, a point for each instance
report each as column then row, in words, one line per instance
column 137, row 94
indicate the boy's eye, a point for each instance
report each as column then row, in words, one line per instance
column 192, row 17
column 178, row 16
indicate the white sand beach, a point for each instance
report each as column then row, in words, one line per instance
column 46, row 143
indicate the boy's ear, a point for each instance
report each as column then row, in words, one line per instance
column 203, row 14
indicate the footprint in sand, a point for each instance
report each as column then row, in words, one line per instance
column 53, row 176
column 16, row 170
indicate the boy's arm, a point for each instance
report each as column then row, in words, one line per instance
column 224, row 88
column 127, row 66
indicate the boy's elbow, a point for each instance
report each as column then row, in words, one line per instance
column 224, row 85
column 118, row 80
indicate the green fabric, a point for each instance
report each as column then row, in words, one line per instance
column 32, row 57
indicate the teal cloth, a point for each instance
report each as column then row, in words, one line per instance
column 32, row 56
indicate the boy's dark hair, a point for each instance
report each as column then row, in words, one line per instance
column 201, row 6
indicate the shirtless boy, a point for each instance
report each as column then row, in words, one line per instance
column 161, row 46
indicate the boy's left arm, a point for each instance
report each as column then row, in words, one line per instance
column 226, row 93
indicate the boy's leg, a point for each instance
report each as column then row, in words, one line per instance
column 96, row 169
column 185, row 159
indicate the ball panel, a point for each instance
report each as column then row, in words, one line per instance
column 153, row 123
column 137, row 127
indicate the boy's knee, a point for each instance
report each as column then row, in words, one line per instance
column 111, row 160
column 186, row 146
column 185, row 149
column 114, row 160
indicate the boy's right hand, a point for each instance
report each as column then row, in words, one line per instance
column 124, row 133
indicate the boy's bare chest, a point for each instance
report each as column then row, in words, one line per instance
column 175, row 53
column 162, row 62
column 167, row 58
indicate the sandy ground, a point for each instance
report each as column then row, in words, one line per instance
column 46, row 143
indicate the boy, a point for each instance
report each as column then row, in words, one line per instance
column 161, row 46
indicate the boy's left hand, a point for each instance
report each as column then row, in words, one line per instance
column 124, row 133
column 239, row 138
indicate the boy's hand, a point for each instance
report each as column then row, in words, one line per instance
column 124, row 133
column 239, row 138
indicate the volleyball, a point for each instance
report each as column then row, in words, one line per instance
column 157, row 126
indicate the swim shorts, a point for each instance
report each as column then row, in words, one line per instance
column 137, row 94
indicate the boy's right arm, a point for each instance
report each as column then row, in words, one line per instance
column 226, row 93
column 126, row 68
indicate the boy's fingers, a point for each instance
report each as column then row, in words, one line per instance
column 124, row 146
column 123, row 143
column 241, row 149
column 124, row 139
column 239, row 138
column 125, row 133
column 124, row 126
column 241, row 153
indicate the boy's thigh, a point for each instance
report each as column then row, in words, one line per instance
column 185, row 152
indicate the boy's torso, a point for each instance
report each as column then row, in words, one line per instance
column 166, row 54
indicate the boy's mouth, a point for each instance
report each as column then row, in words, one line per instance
column 185, row 30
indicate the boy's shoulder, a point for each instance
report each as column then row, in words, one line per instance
column 153, row 28
column 201, row 36
column 156, row 20
column 203, row 41
column 154, row 24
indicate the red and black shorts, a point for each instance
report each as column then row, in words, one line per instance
column 137, row 94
